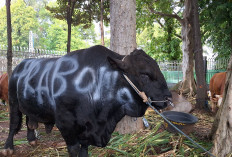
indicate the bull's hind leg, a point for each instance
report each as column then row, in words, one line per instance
column 15, row 126
column 31, row 125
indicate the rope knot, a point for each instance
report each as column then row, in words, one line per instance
column 143, row 96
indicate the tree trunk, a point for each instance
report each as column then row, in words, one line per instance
column 188, row 84
column 101, row 24
column 123, row 41
column 69, row 22
column 198, row 56
column 222, row 127
column 122, row 26
column 9, row 39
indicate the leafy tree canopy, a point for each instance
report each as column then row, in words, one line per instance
column 216, row 22
column 84, row 11
column 23, row 19
column 49, row 33
column 163, row 41
column 56, row 37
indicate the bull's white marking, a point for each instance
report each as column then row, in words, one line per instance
column 59, row 76
column 52, row 81
column 80, row 79
column 124, row 96
column 106, row 80
column 42, row 86
column 101, row 84
column 28, row 72
column 219, row 97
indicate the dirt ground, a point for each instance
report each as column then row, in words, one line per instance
column 53, row 144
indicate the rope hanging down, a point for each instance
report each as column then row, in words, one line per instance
column 148, row 101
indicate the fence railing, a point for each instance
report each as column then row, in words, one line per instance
column 20, row 53
column 172, row 70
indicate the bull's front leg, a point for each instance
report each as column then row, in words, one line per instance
column 48, row 127
column 69, row 134
column 83, row 151
column 73, row 150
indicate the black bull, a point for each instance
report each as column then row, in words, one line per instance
column 84, row 93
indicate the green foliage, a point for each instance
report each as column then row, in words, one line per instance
column 23, row 20
column 49, row 33
column 215, row 18
column 56, row 36
column 3, row 115
column 84, row 11
column 153, row 141
column 157, row 35
column 136, row 145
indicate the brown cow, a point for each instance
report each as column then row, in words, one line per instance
column 216, row 87
column 4, row 87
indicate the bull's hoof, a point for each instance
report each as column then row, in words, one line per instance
column 7, row 152
column 33, row 143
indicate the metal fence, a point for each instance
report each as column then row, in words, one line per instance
column 172, row 70
column 20, row 53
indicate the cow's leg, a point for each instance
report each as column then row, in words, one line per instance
column 32, row 124
column 70, row 135
column 71, row 140
column 84, row 151
column 74, row 150
column 15, row 126
column 219, row 100
column 31, row 138
column 214, row 104
column 48, row 127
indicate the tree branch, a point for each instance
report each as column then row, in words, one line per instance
column 160, row 23
column 178, row 36
column 162, row 26
column 167, row 15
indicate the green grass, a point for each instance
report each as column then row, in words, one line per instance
column 151, row 141
column 3, row 115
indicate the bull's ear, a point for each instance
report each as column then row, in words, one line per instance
column 116, row 63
